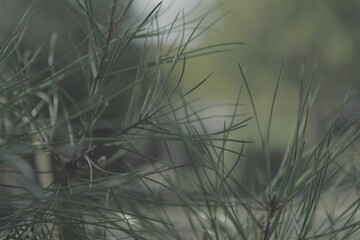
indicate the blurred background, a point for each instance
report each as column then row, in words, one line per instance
column 313, row 38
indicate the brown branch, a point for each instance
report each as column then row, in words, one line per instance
column 273, row 206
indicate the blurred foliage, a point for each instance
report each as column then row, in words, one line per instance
column 306, row 34
column 313, row 42
column 317, row 37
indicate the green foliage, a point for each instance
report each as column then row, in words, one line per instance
column 74, row 165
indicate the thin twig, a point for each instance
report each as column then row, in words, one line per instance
column 96, row 83
column 110, row 30
column 273, row 206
